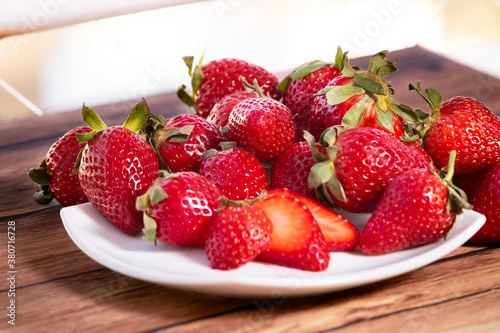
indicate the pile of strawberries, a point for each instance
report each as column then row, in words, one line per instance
column 258, row 169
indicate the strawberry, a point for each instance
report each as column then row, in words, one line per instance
column 214, row 80
column 262, row 126
column 360, row 163
column 291, row 169
column 486, row 200
column 417, row 208
column 184, row 141
column 299, row 88
column 219, row 115
column 469, row 182
column 359, row 98
column 116, row 167
column 476, row 140
column 236, row 236
column 296, row 239
column 54, row 172
column 467, row 103
column 237, row 172
column 339, row 233
column 178, row 208
column 474, row 133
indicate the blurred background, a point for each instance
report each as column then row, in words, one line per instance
column 57, row 54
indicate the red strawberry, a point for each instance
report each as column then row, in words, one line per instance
column 236, row 236
column 238, row 173
column 291, row 169
column 360, row 163
column 299, row 88
column 296, row 239
column 486, row 200
column 473, row 136
column 417, row 146
column 262, row 126
column 218, row 78
column 360, row 98
column 458, row 103
column 339, row 233
column 219, row 115
column 469, row 182
column 184, row 141
column 178, row 208
column 117, row 166
column 54, row 173
column 465, row 126
column 416, row 208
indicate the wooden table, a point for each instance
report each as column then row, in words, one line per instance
column 59, row 289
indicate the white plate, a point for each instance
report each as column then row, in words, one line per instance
column 188, row 268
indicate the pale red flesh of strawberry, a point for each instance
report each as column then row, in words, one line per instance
column 296, row 240
column 339, row 233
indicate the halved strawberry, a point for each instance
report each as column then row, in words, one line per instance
column 236, row 236
column 339, row 233
column 296, row 240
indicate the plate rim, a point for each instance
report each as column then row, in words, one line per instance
column 315, row 283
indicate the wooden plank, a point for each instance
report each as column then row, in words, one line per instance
column 105, row 301
column 33, row 128
column 44, row 251
column 453, row 282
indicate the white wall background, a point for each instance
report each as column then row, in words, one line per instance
column 129, row 56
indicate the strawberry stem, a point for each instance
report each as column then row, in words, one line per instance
column 451, row 166
column 457, row 198
column 252, row 88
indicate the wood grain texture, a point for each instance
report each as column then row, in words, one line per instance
column 60, row 289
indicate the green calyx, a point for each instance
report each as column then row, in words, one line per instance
column 433, row 98
column 136, row 120
column 226, row 202
column 225, row 145
column 322, row 174
column 196, row 76
column 377, row 94
column 154, row 195
column 137, row 117
column 301, row 72
column 42, row 177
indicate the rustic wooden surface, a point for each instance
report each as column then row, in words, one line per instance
column 59, row 289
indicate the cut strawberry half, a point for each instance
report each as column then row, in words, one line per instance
column 339, row 233
column 296, row 240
